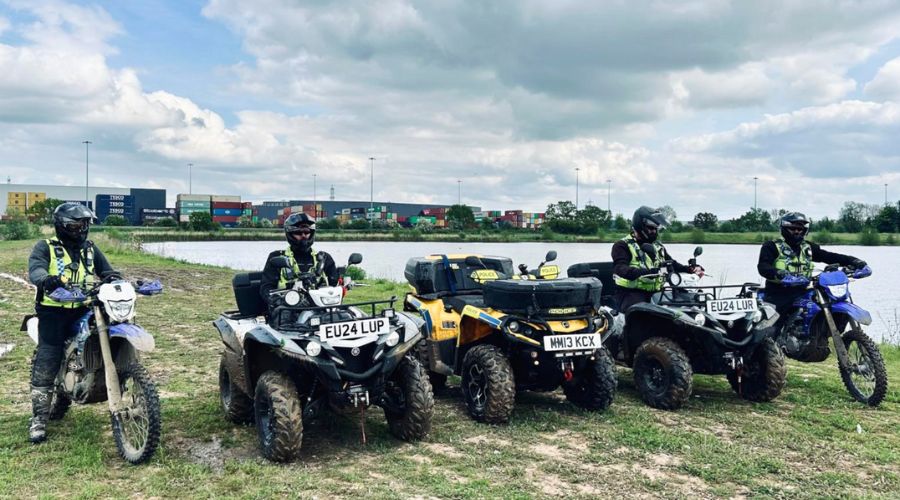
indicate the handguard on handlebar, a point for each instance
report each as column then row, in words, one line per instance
column 794, row 280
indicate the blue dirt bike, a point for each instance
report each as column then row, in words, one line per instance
column 826, row 310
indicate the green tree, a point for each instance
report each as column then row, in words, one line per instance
column 329, row 223
column 245, row 221
column 706, row 221
column 424, row 225
column 359, row 224
column 563, row 210
column 756, row 219
column 852, row 216
column 42, row 211
column 669, row 213
column 115, row 220
column 460, row 217
column 166, row 222
column 201, row 221
column 266, row 223
column 621, row 223
column 887, row 219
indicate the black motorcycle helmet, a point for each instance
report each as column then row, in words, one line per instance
column 794, row 227
column 296, row 227
column 72, row 222
column 647, row 223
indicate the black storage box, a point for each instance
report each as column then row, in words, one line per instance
column 534, row 296
column 246, row 294
column 600, row 270
column 428, row 275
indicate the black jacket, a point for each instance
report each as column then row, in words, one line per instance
column 272, row 274
column 768, row 254
column 40, row 258
column 621, row 257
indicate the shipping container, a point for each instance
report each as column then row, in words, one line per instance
column 358, row 210
column 193, row 197
column 216, row 197
column 36, row 198
column 247, row 211
column 246, row 204
column 228, row 212
column 227, row 204
column 225, row 218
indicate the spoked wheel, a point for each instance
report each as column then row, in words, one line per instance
column 136, row 426
column 487, row 384
column 663, row 373
column 866, row 377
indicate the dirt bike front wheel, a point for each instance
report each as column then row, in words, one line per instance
column 866, row 376
column 136, row 426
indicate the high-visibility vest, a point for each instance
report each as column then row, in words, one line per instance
column 799, row 263
column 295, row 267
column 641, row 260
column 60, row 260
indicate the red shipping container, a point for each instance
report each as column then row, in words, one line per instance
column 286, row 211
column 225, row 218
column 513, row 212
column 226, row 204
column 247, row 204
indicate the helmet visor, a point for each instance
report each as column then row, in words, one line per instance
column 75, row 226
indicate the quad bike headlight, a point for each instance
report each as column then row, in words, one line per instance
column 513, row 326
column 700, row 319
column 313, row 348
column 292, row 298
column 119, row 310
column 393, row 339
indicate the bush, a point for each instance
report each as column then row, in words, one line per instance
column 698, row 236
column 355, row 272
column 890, row 240
column 869, row 237
column 202, row 221
column 19, row 229
column 167, row 222
column 823, row 237
column 115, row 220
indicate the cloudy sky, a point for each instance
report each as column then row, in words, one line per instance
column 676, row 102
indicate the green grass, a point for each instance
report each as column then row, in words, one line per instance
column 804, row 444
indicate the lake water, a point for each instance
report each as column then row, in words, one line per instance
column 724, row 263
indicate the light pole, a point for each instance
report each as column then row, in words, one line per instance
column 608, row 189
column 459, row 191
column 372, row 184
column 190, row 178
column 576, row 187
column 885, row 194
column 314, row 191
column 87, row 145
column 754, row 193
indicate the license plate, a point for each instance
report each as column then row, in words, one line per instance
column 730, row 306
column 573, row 342
column 354, row 329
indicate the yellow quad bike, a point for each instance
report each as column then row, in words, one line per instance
column 503, row 333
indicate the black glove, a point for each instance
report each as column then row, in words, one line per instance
column 51, row 283
column 781, row 274
column 858, row 263
column 652, row 270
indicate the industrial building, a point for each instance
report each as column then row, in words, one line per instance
column 131, row 201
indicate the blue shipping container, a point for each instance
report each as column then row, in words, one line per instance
column 234, row 212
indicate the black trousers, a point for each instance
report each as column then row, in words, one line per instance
column 626, row 298
column 55, row 326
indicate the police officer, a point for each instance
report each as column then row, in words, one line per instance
column 792, row 254
column 300, row 232
column 631, row 263
column 69, row 258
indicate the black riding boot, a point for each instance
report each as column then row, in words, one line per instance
column 40, row 411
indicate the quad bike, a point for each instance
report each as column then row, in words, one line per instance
column 502, row 333
column 827, row 311
column 312, row 352
column 100, row 363
column 687, row 329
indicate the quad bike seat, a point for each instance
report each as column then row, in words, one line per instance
column 246, row 294
column 459, row 302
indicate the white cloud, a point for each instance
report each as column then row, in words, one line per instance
column 886, row 83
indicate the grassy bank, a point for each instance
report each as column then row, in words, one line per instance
column 697, row 237
column 811, row 442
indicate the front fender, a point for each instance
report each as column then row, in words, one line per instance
column 134, row 334
column 857, row 313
